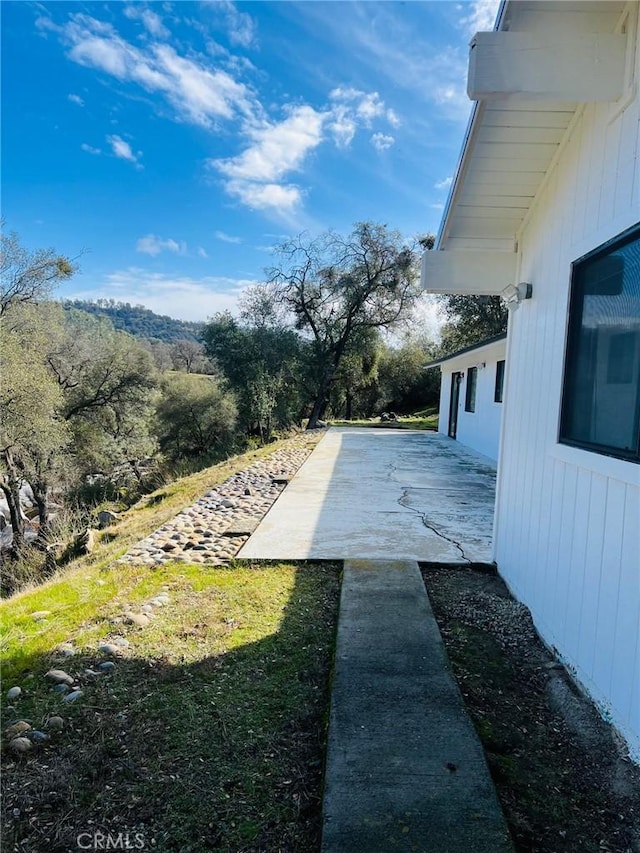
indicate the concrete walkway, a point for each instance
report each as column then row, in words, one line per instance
column 405, row 770
column 381, row 493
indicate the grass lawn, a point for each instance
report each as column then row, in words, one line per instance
column 208, row 734
column 78, row 589
column 427, row 419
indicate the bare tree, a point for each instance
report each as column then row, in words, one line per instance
column 338, row 287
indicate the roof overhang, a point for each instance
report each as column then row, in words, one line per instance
column 529, row 76
column 478, row 349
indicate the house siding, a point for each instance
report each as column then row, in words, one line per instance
column 479, row 430
column 567, row 531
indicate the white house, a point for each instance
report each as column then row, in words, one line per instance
column 545, row 209
column 471, row 395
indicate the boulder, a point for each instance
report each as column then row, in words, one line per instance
column 106, row 517
column 86, row 541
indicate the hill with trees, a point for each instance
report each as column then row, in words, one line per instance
column 138, row 320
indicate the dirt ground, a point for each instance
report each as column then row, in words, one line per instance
column 561, row 773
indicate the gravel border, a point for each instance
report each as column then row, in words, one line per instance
column 197, row 533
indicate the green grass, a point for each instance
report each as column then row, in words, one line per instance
column 209, row 734
column 77, row 592
column 426, row 419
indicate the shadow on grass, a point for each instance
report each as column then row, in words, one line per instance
column 210, row 743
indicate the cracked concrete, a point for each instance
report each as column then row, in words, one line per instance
column 379, row 494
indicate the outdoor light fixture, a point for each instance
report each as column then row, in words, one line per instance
column 514, row 294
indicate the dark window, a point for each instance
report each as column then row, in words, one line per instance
column 601, row 397
column 499, row 382
column 470, row 396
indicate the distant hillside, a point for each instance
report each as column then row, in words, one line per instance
column 139, row 321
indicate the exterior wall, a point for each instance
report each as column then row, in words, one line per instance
column 567, row 530
column 480, row 429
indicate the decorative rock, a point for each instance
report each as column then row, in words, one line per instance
column 121, row 641
column 55, row 723
column 71, row 697
column 147, row 608
column 67, row 651
column 138, row 619
column 61, row 688
column 20, row 745
column 40, row 614
column 206, row 520
column 14, row 692
column 110, row 648
column 17, row 729
column 107, row 666
column 59, row 676
column 38, row 737
column 92, row 673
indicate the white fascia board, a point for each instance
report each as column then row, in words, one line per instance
column 572, row 67
column 468, row 271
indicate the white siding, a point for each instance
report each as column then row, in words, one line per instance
column 567, row 537
column 480, row 429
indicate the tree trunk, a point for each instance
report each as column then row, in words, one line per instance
column 11, row 489
column 349, row 406
column 41, row 496
column 322, row 398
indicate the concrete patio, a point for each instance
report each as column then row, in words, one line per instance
column 383, row 494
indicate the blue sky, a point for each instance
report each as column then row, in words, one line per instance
column 172, row 144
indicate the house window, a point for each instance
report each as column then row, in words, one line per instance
column 470, row 395
column 601, row 395
column 497, row 396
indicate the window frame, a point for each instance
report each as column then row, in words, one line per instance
column 574, row 324
column 498, row 391
column 469, row 403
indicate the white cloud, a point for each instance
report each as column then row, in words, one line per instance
column 352, row 108
column 149, row 19
column 153, row 245
column 198, row 92
column 241, row 27
column 202, row 253
column 177, row 296
column 365, row 105
column 277, row 198
column 76, row 99
column 444, row 184
column 90, row 149
column 276, row 149
column 227, row 238
column 481, row 17
column 392, row 118
column 381, row 142
column 122, row 149
column 342, row 125
column 390, row 47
